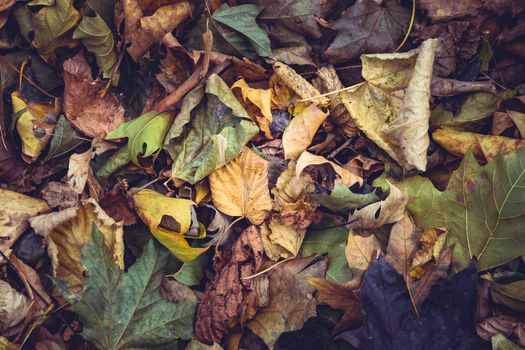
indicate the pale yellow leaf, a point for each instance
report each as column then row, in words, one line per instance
column 240, row 188
column 77, row 173
column 431, row 243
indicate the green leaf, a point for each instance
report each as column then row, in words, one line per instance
column 98, row 39
column 191, row 273
column 65, row 139
column 115, row 162
column 122, row 310
column 105, row 9
column 510, row 293
column 500, row 342
column 235, row 32
column 144, row 134
column 483, row 209
column 331, row 241
column 342, row 199
column 473, row 115
column 218, row 130
column 52, row 23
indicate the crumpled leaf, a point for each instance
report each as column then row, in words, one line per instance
column 484, row 147
column 396, row 121
column 307, row 159
column 59, row 194
column 35, row 123
column 78, row 170
column 431, row 242
column 360, row 252
column 380, row 213
column 433, row 273
column 291, row 191
column 509, row 114
column 51, row 25
column 231, row 297
column 66, row 232
column 502, row 324
column 124, row 309
column 147, row 22
column 117, row 205
column 259, row 105
column 218, row 130
column 168, row 219
column 240, row 188
column 367, row 27
column 481, row 209
column 510, row 293
column 341, row 298
column 392, row 323
column 15, row 211
column 301, row 130
column 291, row 298
column 97, row 37
column 144, row 133
column 13, row 306
column 83, row 106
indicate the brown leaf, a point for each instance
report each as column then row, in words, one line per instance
column 346, row 177
column 360, row 252
column 230, row 298
column 402, row 244
column 502, row 324
column 291, row 190
column 84, row 107
column 59, row 194
column 439, row 10
column 147, row 23
column 78, row 170
column 431, row 242
column 434, row 273
column 117, row 205
column 14, row 307
column 341, row 298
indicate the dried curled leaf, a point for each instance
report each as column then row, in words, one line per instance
column 291, row 190
column 240, row 188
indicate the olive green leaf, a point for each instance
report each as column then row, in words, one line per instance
column 342, row 199
column 122, row 310
column 98, row 39
column 508, row 289
column 218, row 130
column 144, row 134
column 482, row 207
column 65, row 139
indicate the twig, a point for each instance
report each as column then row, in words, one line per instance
column 268, row 269
column 409, row 26
column 26, row 78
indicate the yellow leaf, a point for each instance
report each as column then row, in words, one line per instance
column 15, row 211
column 69, row 230
column 484, row 147
column 202, row 190
column 391, row 106
column 35, row 126
column 281, row 94
column 259, row 107
column 301, row 130
column 307, row 159
column 168, row 220
column 240, row 188
column 297, row 83
column 431, row 243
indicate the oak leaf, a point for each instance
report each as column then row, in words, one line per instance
column 240, row 188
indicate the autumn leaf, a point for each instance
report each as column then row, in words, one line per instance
column 360, row 252
column 402, row 244
column 507, row 290
column 65, row 139
column 78, row 170
column 14, row 306
column 240, row 188
column 307, row 159
column 259, row 105
column 141, row 319
column 168, row 219
column 291, row 192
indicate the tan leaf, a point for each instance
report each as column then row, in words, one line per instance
column 341, row 298
column 391, row 107
column 484, row 147
column 240, row 188
column 59, row 194
column 14, row 307
column 299, row 134
column 257, row 103
column 434, row 273
column 78, row 170
column 380, row 213
column 291, row 190
column 307, row 159
column 84, row 107
column 68, row 231
column 360, row 252
column 15, row 211
column 431, row 243
column 143, row 30
column 402, row 244
column 230, row 298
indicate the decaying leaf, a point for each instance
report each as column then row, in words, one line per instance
column 231, row 297
column 431, row 242
column 15, row 211
column 291, row 298
column 391, row 107
column 307, row 159
column 14, row 307
column 291, row 190
column 168, row 219
column 509, row 292
column 240, row 188
column 78, row 170
column 66, row 232
column 124, row 309
column 84, row 107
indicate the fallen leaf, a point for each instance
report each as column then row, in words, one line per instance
column 118, row 206
column 396, row 120
column 13, row 306
column 377, row 214
column 438, row 11
column 143, row 30
column 291, row 191
column 124, row 309
column 65, row 139
column 402, row 245
column 78, row 169
column 197, row 345
column 360, row 252
column 191, row 273
column 307, row 159
column 510, row 113
column 367, row 27
column 434, row 273
column 341, row 298
column 240, row 188
column 144, row 134
column 291, row 298
column 59, row 194
column 510, row 293
column 66, row 232
column 484, row 147
column 81, row 99
column 341, row 199
column 259, row 106
column 218, row 130
column 168, row 219
column 15, row 211
column 231, row 298
column 503, row 324
column 500, row 342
